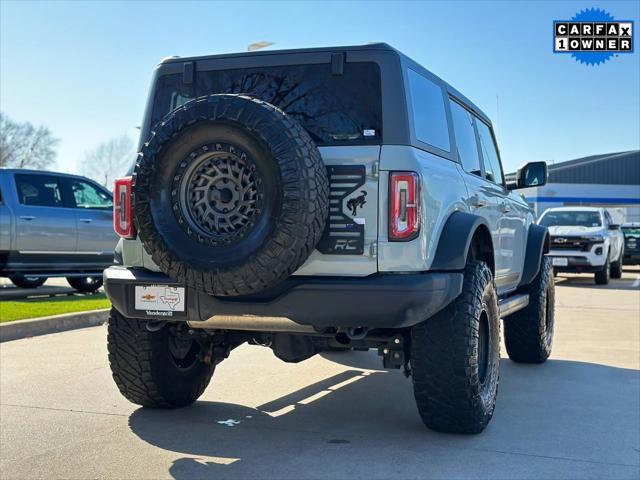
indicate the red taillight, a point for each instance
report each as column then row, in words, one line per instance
column 123, row 208
column 404, row 211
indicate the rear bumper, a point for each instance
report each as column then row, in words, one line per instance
column 378, row 301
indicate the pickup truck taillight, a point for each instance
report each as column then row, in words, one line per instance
column 404, row 211
column 123, row 208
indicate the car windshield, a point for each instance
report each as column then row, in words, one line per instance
column 635, row 231
column 333, row 109
column 571, row 219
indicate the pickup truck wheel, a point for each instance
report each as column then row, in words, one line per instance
column 455, row 358
column 602, row 277
column 231, row 195
column 528, row 333
column 155, row 369
column 616, row 267
column 28, row 282
column 85, row 284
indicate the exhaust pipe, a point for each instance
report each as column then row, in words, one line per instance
column 345, row 336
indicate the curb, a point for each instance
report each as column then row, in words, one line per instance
column 56, row 323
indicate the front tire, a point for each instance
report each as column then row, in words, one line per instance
column 28, row 282
column 155, row 369
column 528, row 333
column 455, row 358
column 85, row 284
column 616, row 267
column 602, row 277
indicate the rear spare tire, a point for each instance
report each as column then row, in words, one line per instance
column 230, row 195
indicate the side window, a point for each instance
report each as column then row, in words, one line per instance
column 465, row 138
column 492, row 167
column 38, row 190
column 87, row 195
column 429, row 117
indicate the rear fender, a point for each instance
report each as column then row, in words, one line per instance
column 455, row 241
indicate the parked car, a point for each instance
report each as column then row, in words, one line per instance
column 584, row 239
column 631, row 232
column 323, row 198
column 54, row 225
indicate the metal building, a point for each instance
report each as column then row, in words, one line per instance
column 611, row 181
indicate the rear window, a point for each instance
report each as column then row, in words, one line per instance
column 333, row 109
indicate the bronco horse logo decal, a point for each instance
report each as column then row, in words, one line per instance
column 357, row 202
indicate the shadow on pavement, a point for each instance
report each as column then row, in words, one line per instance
column 588, row 282
column 366, row 422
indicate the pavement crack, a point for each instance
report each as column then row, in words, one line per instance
column 35, row 407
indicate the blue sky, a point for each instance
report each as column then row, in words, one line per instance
column 83, row 68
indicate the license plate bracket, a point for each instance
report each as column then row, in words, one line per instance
column 160, row 300
column 560, row 262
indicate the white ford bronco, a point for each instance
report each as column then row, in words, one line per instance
column 318, row 199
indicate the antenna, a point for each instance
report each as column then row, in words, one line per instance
column 498, row 130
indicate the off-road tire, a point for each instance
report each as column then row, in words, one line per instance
column 616, row 267
column 85, row 284
column 602, row 277
column 28, row 282
column 295, row 194
column 143, row 367
column 528, row 333
column 451, row 391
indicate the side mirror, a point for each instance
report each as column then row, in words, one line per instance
column 532, row 174
column 614, row 226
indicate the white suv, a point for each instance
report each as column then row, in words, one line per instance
column 584, row 239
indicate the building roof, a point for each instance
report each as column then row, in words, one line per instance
column 620, row 168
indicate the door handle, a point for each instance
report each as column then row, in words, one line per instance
column 86, row 220
column 506, row 208
column 477, row 203
column 27, row 217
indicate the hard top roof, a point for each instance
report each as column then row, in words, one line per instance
column 379, row 47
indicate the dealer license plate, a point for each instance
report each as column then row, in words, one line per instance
column 159, row 298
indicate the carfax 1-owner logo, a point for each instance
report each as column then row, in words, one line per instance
column 593, row 36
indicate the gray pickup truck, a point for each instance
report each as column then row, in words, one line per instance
column 316, row 199
column 54, row 225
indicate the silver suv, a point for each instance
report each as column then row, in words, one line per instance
column 317, row 199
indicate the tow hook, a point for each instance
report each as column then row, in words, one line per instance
column 155, row 325
column 393, row 353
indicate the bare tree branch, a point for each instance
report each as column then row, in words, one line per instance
column 109, row 160
column 24, row 146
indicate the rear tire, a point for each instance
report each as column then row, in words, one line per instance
column 455, row 358
column 602, row 277
column 85, row 284
column 528, row 333
column 28, row 282
column 155, row 369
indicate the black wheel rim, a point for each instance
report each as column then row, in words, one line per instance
column 483, row 346
column 218, row 194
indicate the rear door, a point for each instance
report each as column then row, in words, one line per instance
column 510, row 238
column 93, row 209
column 45, row 224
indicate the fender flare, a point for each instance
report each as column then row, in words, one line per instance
column 455, row 241
column 537, row 246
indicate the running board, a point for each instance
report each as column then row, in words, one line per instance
column 512, row 304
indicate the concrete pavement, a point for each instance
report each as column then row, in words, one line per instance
column 336, row 415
